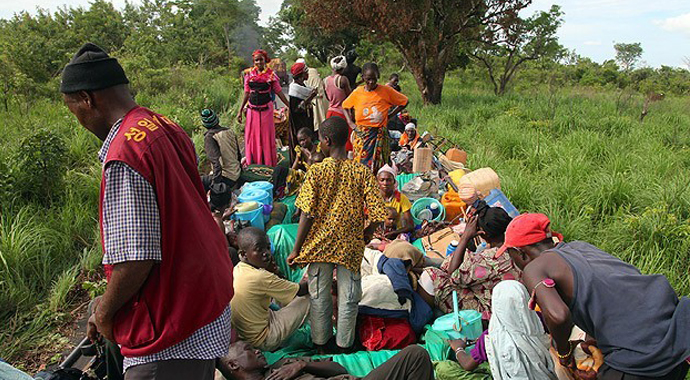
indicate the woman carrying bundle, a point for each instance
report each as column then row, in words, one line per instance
column 260, row 84
column 372, row 104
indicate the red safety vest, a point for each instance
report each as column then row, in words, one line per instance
column 192, row 285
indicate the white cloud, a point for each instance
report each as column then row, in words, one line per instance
column 592, row 43
column 676, row 24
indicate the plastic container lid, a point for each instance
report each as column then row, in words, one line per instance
column 247, row 206
column 425, row 214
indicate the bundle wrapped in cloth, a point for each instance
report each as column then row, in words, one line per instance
column 423, row 186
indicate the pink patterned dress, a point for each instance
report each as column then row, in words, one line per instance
column 474, row 280
column 259, row 131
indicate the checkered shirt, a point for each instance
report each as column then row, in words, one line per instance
column 132, row 232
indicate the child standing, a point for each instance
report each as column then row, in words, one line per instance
column 337, row 199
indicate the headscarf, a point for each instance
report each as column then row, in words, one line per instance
column 492, row 220
column 262, row 53
column 338, row 63
column 298, row 68
column 387, row 169
column 209, row 118
column 410, row 126
column 301, row 60
column 516, row 346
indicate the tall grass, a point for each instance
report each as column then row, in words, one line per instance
column 600, row 174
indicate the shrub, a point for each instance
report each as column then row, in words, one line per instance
column 41, row 163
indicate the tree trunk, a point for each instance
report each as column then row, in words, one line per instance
column 226, row 34
column 429, row 77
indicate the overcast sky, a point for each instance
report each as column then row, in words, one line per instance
column 591, row 26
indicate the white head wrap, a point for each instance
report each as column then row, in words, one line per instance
column 338, row 63
column 301, row 60
column 410, row 126
column 387, row 169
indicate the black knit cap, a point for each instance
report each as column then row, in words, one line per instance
column 91, row 69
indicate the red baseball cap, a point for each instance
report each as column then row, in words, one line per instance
column 527, row 229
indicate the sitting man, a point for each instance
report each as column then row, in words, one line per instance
column 640, row 325
column 243, row 362
column 255, row 286
column 224, row 152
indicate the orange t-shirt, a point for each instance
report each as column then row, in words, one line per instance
column 371, row 107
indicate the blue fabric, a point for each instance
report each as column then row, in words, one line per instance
column 421, row 312
column 366, row 310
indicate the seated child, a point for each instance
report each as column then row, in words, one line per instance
column 296, row 177
column 389, row 225
column 255, row 286
column 303, row 151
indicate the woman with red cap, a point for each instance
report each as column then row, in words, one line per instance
column 260, row 84
column 301, row 95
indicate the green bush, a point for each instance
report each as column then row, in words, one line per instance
column 41, row 163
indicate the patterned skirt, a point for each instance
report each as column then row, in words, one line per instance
column 371, row 147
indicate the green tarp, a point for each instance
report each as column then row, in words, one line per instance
column 359, row 363
column 283, row 238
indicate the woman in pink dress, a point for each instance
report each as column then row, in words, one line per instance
column 261, row 84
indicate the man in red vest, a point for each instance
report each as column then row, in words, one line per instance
column 169, row 273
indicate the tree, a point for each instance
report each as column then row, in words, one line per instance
column 294, row 23
column 510, row 41
column 628, row 55
column 426, row 32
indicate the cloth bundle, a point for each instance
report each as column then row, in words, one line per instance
column 424, row 186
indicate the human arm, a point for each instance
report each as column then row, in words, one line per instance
column 395, row 110
column 125, row 282
column 308, row 202
column 241, row 111
column 464, row 359
column 303, row 288
column 283, row 98
column 131, row 238
column 323, row 369
column 349, row 105
column 554, row 310
column 346, row 87
column 349, row 117
column 306, row 102
column 407, row 225
column 213, row 154
column 305, row 224
column 397, row 100
column 458, row 255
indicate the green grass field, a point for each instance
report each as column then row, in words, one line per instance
column 600, row 174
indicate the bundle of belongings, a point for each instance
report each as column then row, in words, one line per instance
column 392, row 311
